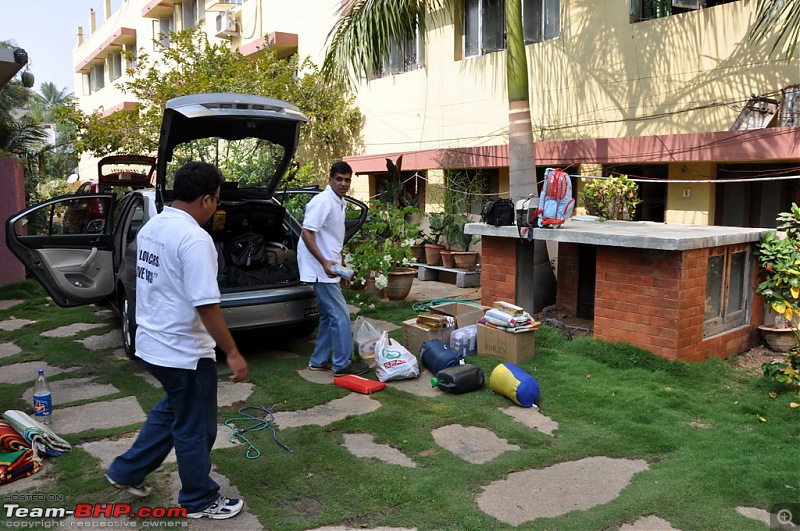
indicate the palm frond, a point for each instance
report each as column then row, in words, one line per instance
column 783, row 14
column 364, row 32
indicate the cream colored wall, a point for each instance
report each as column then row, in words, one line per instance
column 698, row 207
column 604, row 77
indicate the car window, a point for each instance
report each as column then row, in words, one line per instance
column 68, row 216
column 245, row 163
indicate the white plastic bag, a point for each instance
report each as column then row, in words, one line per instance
column 364, row 337
column 394, row 361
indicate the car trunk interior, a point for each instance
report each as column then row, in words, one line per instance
column 255, row 247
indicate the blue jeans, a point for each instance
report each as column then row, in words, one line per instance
column 335, row 331
column 187, row 419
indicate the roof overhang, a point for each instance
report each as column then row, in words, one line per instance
column 776, row 143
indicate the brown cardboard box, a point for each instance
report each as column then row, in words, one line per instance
column 465, row 314
column 414, row 335
column 504, row 346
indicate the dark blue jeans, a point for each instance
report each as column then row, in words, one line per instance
column 187, row 419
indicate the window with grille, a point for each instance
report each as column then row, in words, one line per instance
column 485, row 24
column 649, row 9
column 405, row 56
column 728, row 288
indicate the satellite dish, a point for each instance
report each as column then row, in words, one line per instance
column 72, row 178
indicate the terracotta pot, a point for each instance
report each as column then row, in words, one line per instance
column 399, row 284
column 465, row 260
column 372, row 289
column 418, row 251
column 447, row 258
column 778, row 339
column 432, row 253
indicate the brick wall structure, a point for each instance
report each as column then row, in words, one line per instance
column 12, row 200
column 498, row 270
column 653, row 299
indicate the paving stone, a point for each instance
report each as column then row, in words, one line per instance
column 419, row 386
column 244, row 521
column 97, row 415
column 14, row 324
column 532, row 418
column 110, row 339
column 107, row 449
column 229, row 393
column 26, row 371
column 74, row 389
column 9, row 349
column 362, row 445
column 471, row 443
column 348, row 528
column 765, row 517
column 149, row 378
column 324, row 414
column 71, row 330
column 106, row 313
column 648, row 523
column 5, row 305
column 558, row 489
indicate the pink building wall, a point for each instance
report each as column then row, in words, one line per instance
column 12, row 200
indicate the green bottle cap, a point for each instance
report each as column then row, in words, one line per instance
column 434, row 382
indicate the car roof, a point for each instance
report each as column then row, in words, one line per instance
column 231, row 117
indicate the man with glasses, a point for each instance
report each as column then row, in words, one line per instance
column 319, row 251
column 179, row 324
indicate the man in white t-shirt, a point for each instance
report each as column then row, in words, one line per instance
column 179, row 322
column 320, row 249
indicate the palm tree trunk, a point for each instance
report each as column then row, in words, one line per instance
column 536, row 282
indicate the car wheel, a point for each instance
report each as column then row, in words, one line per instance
column 128, row 317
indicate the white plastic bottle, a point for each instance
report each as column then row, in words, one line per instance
column 42, row 399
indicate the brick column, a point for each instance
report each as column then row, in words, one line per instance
column 12, row 200
column 498, row 270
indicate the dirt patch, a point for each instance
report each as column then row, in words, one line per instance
column 751, row 360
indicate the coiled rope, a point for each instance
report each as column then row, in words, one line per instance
column 258, row 425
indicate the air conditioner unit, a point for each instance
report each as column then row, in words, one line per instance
column 226, row 25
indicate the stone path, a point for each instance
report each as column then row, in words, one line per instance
column 547, row 492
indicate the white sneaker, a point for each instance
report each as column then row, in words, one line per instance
column 220, row 510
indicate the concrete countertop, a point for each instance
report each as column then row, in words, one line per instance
column 633, row 234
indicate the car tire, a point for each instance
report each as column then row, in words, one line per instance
column 127, row 314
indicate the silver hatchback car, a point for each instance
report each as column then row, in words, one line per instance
column 252, row 139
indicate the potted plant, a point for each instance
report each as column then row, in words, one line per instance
column 615, row 197
column 382, row 250
column 779, row 261
column 460, row 242
column 437, row 224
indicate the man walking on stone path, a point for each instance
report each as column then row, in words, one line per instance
column 179, row 322
column 320, row 250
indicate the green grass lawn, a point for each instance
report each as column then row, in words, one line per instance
column 697, row 426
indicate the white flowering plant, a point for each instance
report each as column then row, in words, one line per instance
column 383, row 244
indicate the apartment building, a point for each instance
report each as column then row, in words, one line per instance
column 668, row 91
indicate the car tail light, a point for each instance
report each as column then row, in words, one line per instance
column 96, row 208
